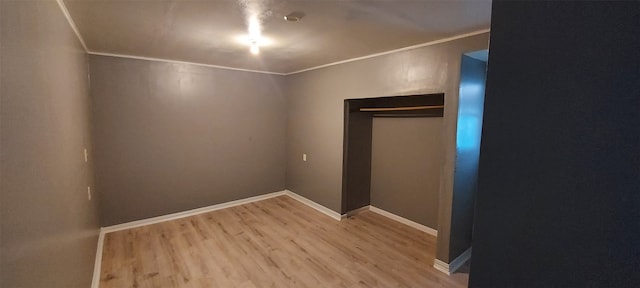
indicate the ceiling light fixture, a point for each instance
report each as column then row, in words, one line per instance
column 294, row 16
column 248, row 41
column 255, row 49
column 255, row 36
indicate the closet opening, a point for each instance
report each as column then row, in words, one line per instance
column 400, row 124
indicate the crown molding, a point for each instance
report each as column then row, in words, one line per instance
column 443, row 40
column 182, row 62
column 72, row 24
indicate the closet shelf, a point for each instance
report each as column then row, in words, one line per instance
column 410, row 108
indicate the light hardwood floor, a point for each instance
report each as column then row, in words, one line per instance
column 278, row 242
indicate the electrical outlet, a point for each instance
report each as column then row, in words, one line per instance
column 89, row 192
column 304, row 157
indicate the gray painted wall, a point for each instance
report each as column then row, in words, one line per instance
column 470, row 111
column 49, row 227
column 406, row 159
column 172, row 137
column 315, row 116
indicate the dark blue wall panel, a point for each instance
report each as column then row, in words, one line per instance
column 558, row 201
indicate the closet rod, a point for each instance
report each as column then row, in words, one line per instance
column 410, row 108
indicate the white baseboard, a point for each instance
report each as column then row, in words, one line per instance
column 454, row 265
column 333, row 214
column 188, row 213
column 97, row 266
column 405, row 221
column 356, row 211
column 441, row 266
column 173, row 216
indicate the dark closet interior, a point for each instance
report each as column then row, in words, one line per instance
column 358, row 123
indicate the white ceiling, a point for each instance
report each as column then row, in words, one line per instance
column 206, row 31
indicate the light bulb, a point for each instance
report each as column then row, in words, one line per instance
column 255, row 50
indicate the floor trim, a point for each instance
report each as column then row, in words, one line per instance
column 173, row 216
column 188, row 213
column 333, row 214
column 452, row 267
column 97, row 266
column 356, row 211
column 405, row 221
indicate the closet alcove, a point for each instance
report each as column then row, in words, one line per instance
column 359, row 117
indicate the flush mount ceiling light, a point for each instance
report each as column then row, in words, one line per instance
column 294, row 16
column 254, row 42
column 256, row 13
column 254, row 36
column 255, row 48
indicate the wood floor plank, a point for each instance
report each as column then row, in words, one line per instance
column 278, row 242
